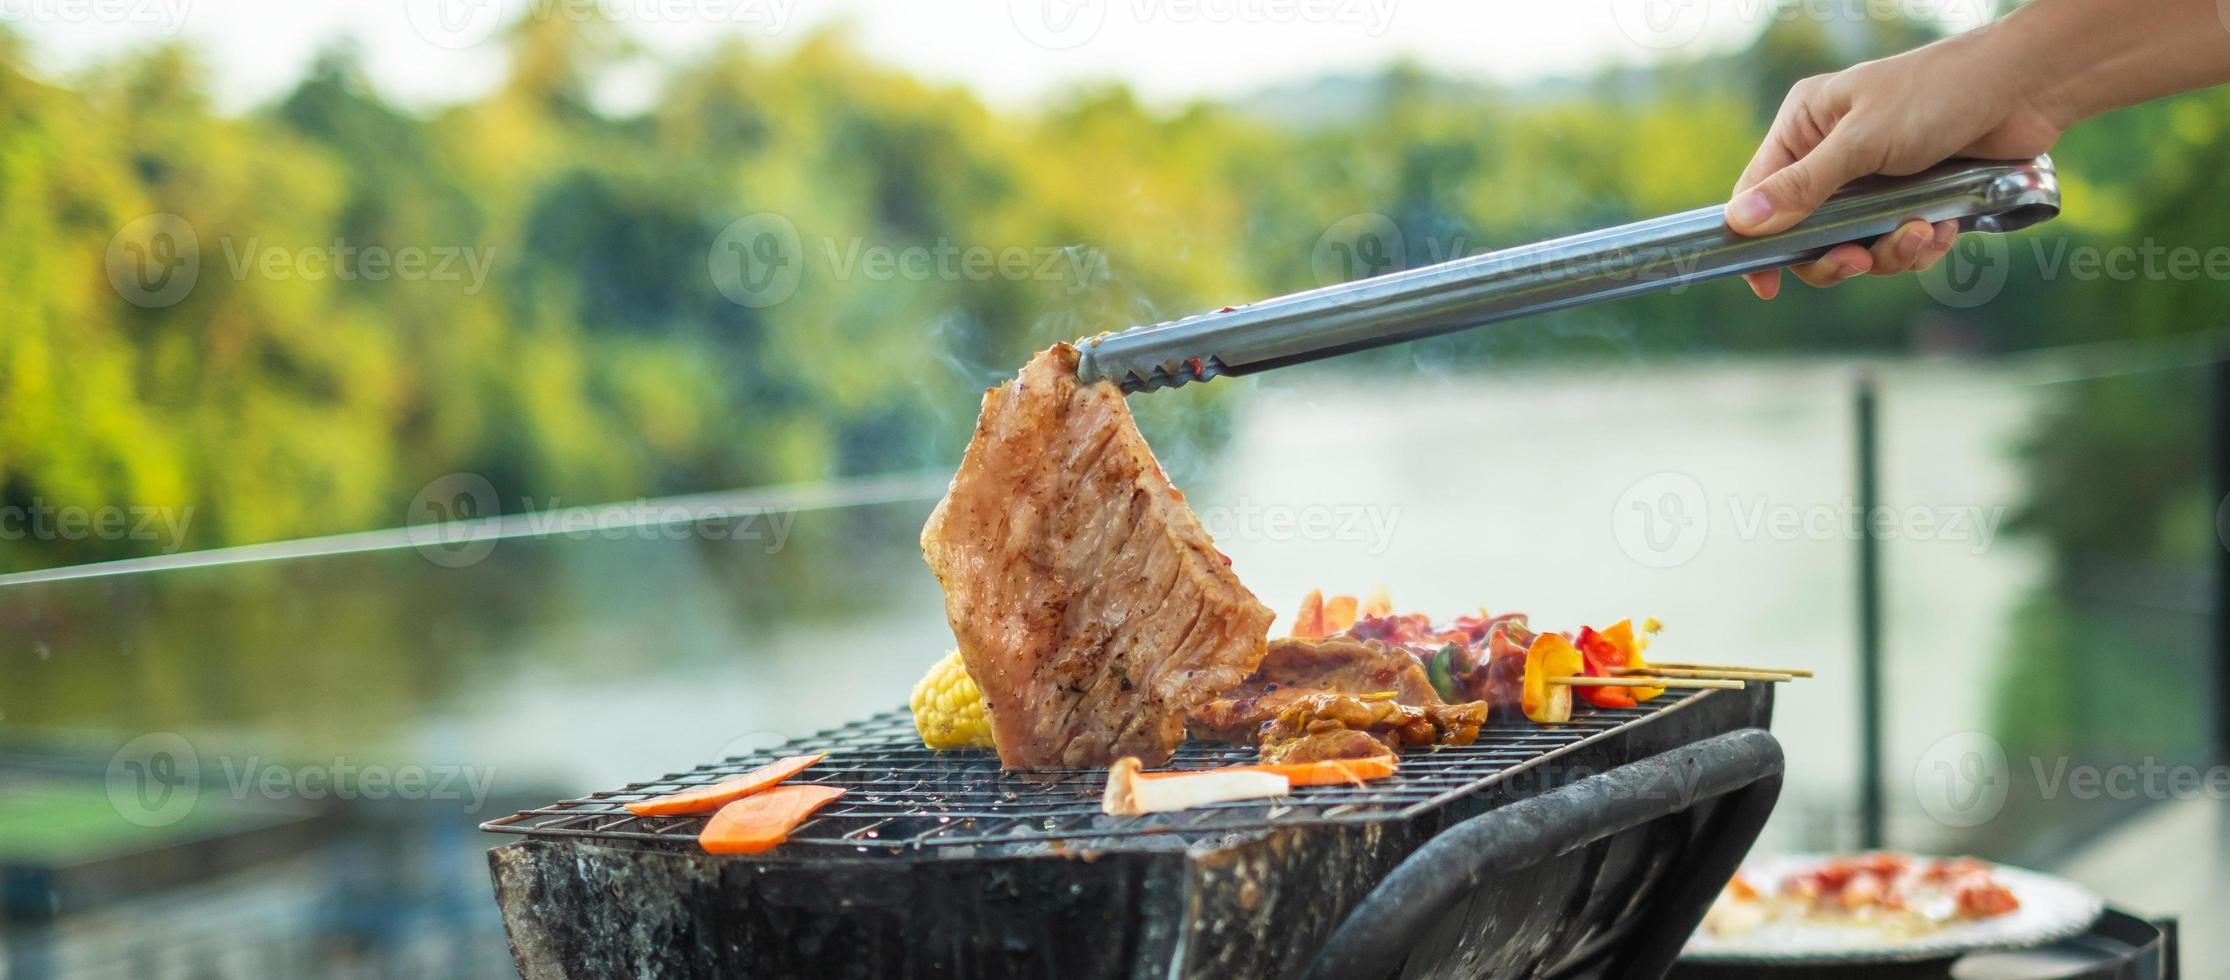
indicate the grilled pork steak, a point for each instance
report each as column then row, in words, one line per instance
column 1295, row 667
column 1088, row 602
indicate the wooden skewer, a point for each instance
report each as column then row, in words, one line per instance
column 1791, row 671
column 1734, row 675
column 1695, row 682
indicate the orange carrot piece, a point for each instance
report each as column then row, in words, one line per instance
column 1334, row 772
column 1326, row 772
column 761, row 821
column 705, row 799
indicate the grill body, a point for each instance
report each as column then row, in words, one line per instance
column 938, row 866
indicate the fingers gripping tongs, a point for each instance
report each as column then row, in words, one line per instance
column 1647, row 255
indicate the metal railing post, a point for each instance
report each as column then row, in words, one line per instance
column 1866, row 424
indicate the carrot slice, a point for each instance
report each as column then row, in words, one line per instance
column 1333, row 772
column 759, row 822
column 705, row 799
column 1326, row 772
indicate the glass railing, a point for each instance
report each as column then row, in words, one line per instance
column 298, row 743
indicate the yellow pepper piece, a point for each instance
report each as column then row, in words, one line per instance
column 1550, row 657
column 1621, row 636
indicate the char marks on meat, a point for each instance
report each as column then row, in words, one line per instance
column 1087, row 599
column 1294, row 668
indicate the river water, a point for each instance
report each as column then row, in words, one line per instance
column 1716, row 497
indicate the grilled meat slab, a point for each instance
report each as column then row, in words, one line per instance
column 1297, row 667
column 1341, row 726
column 1087, row 599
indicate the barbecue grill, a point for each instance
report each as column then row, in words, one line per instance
column 1589, row 849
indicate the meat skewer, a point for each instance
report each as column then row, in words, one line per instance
column 1697, row 683
column 1661, row 670
column 1791, row 671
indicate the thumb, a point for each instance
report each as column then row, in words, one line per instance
column 1787, row 195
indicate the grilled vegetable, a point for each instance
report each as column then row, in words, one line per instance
column 1613, row 649
column 1378, row 603
column 1443, row 671
column 949, row 710
column 761, row 821
column 1607, row 697
column 1130, row 792
column 706, row 799
column 1339, row 614
column 1550, row 657
column 1308, row 622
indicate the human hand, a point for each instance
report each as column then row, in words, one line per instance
column 1959, row 97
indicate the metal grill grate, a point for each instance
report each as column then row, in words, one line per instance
column 902, row 796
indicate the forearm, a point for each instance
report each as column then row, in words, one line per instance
column 2084, row 57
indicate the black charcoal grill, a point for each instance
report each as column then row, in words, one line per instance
column 1585, row 850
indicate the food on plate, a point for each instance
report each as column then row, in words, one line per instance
column 706, row 799
column 1089, row 604
column 1131, row 792
column 1326, row 725
column 763, row 820
column 1895, row 893
column 948, row 707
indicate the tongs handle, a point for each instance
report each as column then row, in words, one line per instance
column 1659, row 253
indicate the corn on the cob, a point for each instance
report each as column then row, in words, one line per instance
column 949, row 710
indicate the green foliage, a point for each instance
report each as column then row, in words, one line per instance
column 599, row 360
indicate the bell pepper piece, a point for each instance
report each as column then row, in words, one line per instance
column 1550, row 657
column 1378, row 603
column 1621, row 637
column 1308, row 623
column 1339, row 614
column 1442, row 672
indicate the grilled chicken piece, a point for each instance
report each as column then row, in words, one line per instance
column 1297, row 667
column 1323, row 726
column 1088, row 601
column 1332, row 743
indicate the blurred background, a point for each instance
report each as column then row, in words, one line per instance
column 684, row 308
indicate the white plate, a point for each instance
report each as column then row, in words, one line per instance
column 2051, row 908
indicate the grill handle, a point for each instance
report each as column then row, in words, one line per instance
column 1659, row 253
column 1742, row 766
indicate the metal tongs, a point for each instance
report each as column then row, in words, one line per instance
column 1659, row 253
